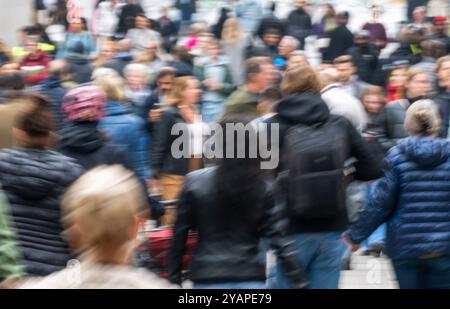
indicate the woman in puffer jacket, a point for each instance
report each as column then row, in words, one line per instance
column 413, row 197
column 34, row 179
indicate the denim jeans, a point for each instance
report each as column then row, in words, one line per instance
column 378, row 237
column 212, row 111
column 321, row 256
column 254, row 285
column 423, row 273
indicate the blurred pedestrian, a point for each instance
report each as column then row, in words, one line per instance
column 298, row 23
column 215, row 76
column 417, row 87
column 124, row 129
column 260, row 74
column 417, row 170
column 169, row 170
column 34, row 193
column 102, row 211
column 231, row 220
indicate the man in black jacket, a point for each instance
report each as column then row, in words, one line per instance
column 298, row 23
column 270, row 21
column 341, row 39
column 365, row 57
column 126, row 19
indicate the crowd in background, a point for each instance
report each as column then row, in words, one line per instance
column 87, row 107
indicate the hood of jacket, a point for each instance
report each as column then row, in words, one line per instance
column 81, row 138
column 426, row 152
column 307, row 109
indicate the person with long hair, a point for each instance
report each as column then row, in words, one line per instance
column 234, row 42
column 168, row 170
column 396, row 83
column 324, row 28
column 232, row 208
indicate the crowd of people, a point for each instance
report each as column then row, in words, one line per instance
column 88, row 108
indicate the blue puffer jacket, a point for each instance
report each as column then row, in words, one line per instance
column 127, row 131
column 414, row 198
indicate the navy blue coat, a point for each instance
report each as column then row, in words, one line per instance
column 414, row 198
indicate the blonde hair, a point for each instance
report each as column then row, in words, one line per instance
column 231, row 32
column 180, row 84
column 422, row 119
column 301, row 79
column 103, row 205
column 113, row 86
column 103, row 72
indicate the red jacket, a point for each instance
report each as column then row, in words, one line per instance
column 38, row 59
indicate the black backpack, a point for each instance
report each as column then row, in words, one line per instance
column 314, row 157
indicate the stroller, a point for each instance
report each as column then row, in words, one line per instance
column 153, row 253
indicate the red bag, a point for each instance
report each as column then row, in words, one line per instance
column 154, row 251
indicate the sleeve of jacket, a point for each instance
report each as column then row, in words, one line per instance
column 161, row 143
column 367, row 165
column 381, row 206
column 227, row 85
column 199, row 73
column 10, row 265
column 183, row 224
column 274, row 228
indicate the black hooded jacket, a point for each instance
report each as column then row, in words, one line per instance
column 309, row 109
column 84, row 143
column 81, row 67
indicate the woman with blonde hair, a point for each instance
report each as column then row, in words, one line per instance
column 124, row 129
column 412, row 198
column 168, row 168
column 234, row 42
column 102, row 212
